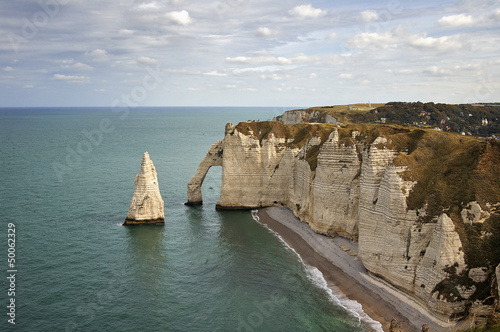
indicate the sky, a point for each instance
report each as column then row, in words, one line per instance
column 247, row 52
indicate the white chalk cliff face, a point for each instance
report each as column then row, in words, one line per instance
column 300, row 116
column 347, row 187
column 147, row 206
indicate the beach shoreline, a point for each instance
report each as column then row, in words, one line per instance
column 336, row 259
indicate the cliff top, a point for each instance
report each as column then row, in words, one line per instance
column 476, row 120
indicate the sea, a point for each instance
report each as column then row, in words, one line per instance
column 67, row 178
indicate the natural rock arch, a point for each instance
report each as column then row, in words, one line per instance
column 212, row 158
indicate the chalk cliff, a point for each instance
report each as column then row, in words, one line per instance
column 307, row 115
column 147, row 206
column 401, row 193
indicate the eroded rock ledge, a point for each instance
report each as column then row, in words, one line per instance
column 421, row 203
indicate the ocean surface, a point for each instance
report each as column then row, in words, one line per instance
column 67, row 178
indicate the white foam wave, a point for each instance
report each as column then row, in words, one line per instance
column 254, row 215
column 337, row 297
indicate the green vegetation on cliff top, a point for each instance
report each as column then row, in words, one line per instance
column 476, row 120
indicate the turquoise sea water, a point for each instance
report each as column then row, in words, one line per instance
column 67, row 177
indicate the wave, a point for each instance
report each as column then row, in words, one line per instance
column 335, row 295
column 353, row 307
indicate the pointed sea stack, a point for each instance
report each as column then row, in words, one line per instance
column 146, row 207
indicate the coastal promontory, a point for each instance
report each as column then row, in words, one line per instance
column 147, row 206
column 423, row 204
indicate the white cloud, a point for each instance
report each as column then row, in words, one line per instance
column 259, row 60
column 76, row 66
column 182, row 71
column 436, row 71
column 400, row 37
column 460, row 20
column 306, row 11
column 313, row 75
column 369, row 15
column 444, row 43
column 70, row 78
column 28, row 86
column 265, row 32
column 268, row 59
column 496, row 14
column 345, row 76
column 148, row 6
column 273, row 77
column 467, row 70
column 8, row 69
column 371, row 40
column 332, row 35
column 98, row 55
column 214, row 73
column 405, row 71
column 144, row 60
column 126, row 32
column 179, row 17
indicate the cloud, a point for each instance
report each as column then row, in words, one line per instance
column 269, row 59
column 214, row 73
column 273, row 77
column 266, row 32
column 259, row 60
column 179, row 17
column 182, row 71
column 98, row 55
column 70, row 78
column 307, row 11
column 8, row 69
column 400, row 37
column 332, row 35
column 372, row 40
column 460, row 20
column 148, row 6
column 444, row 43
column 144, row 60
column 496, row 14
column 77, row 66
column 457, row 70
column 369, row 15
column 313, row 75
column 345, row 76
column 126, row 32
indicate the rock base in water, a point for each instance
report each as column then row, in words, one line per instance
column 129, row 222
